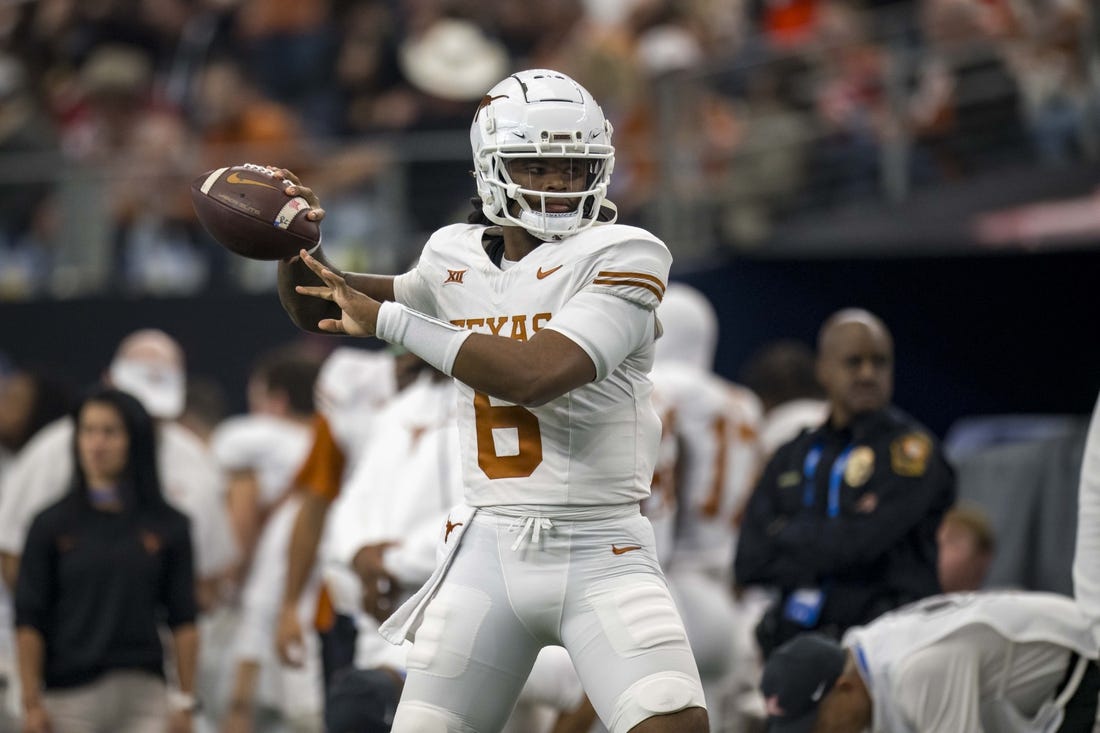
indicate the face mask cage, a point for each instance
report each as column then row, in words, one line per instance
column 498, row 189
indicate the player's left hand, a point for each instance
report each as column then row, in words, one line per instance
column 359, row 313
column 315, row 213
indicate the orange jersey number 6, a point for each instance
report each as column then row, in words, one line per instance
column 489, row 417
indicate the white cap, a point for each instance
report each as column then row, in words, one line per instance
column 159, row 387
column 453, row 59
column 149, row 365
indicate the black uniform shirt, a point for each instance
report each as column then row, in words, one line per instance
column 97, row 585
column 871, row 546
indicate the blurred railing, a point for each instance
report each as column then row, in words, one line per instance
column 762, row 137
column 730, row 149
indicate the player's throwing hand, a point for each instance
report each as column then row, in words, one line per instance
column 359, row 313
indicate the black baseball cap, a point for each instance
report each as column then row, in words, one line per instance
column 362, row 701
column 797, row 676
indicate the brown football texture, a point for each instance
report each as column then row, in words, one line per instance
column 247, row 211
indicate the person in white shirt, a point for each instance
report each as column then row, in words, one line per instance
column 351, row 389
column 547, row 324
column 987, row 662
column 715, row 423
column 149, row 365
column 261, row 452
column 388, row 522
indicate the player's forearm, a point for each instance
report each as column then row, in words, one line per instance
column 306, row 311
column 529, row 373
column 244, row 686
column 304, row 540
column 31, row 653
column 9, row 568
column 243, row 507
column 185, row 639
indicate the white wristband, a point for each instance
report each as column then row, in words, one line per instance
column 432, row 340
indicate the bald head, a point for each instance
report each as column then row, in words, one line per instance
column 150, row 344
column 855, row 364
column 837, row 323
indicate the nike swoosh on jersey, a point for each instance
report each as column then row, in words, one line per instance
column 546, row 273
column 235, row 177
column 628, row 548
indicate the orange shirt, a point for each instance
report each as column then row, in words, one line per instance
column 323, row 468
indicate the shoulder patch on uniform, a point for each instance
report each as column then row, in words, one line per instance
column 860, row 466
column 909, row 454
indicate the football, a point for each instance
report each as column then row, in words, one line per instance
column 247, row 211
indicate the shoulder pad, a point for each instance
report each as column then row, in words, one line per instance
column 627, row 262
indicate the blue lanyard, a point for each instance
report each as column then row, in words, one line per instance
column 836, row 476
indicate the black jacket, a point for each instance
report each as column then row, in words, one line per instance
column 878, row 549
column 97, row 585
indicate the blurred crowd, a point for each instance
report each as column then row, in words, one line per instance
column 316, row 512
column 730, row 111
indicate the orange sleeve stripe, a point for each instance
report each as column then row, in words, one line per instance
column 634, row 276
column 630, row 284
column 323, row 469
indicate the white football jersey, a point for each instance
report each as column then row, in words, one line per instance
column 294, row 691
column 273, row 448
column 595, row 445
column 406, row 482
column 887, row 649
column 351, row 388
column 716, row 423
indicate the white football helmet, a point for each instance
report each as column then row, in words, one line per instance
column 541, row 114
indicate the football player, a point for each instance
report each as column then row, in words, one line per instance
column 542, row 309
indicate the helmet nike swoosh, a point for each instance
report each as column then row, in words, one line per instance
column 818, row 692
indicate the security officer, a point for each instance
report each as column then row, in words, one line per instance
column 843, row 521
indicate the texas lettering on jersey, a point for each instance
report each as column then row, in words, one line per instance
column 600, row 288
column 518, row 328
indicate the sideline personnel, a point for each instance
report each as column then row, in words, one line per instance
column 843, row 521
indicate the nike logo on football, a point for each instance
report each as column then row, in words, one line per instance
column 546, row 273
column 235, row 177
column 622, row 550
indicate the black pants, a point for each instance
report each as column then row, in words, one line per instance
column 1081, row 708
column 337, row 648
